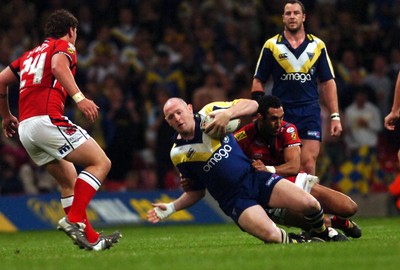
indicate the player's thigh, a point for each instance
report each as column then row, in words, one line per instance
column 287, row 195
column 90, row 154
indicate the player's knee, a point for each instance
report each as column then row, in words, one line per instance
column 272, row 235
column 350, row 208
column 308, row 166
column 311, row 205
column 106, row 164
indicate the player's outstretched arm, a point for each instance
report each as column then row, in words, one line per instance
column 163, row 210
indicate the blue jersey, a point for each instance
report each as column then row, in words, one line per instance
column 294, row 71
column 219, row 165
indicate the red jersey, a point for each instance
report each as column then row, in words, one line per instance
column 269, row 152
column 40, row 93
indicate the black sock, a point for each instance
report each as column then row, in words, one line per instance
column 316, row 222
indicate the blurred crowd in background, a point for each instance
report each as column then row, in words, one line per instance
column 135, row 54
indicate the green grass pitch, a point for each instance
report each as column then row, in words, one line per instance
column 204, row 247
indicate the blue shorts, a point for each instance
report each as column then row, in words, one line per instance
column 256, row 189
column 307, row 119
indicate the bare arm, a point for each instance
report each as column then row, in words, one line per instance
column 292, row 162
column 60, row 69
column 9, row 122
column 393, row 116
column 188, row 199
column 243, row 107
column 329, row 95
column 290, row 167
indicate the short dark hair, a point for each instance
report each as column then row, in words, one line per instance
column 59, row 22
column 303, row 9
column 266, row 102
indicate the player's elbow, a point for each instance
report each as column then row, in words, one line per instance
column 253, row 105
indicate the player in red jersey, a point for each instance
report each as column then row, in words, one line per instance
column 46, row 77
column 274, row 145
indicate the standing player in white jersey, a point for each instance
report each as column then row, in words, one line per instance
column 295, row 60
column 46, row 77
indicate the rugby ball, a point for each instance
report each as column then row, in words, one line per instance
column 232, row 125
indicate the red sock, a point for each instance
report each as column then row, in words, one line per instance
column 91, row 234
column 339, row 223
column 85, row 188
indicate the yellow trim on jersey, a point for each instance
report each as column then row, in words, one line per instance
column 201, row 151
column 288, row 61
column 218, row 104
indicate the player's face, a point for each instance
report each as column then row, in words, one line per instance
column 272, row 122
column 293, row 18
column 180, row 117
column 74, row 35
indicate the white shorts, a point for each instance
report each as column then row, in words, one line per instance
column 45, row 141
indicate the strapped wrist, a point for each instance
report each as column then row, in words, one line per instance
column 163, row 214
column 78, row 97
column 335, row 116
column 271, row 169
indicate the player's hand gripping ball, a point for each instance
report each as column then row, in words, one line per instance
column 232, row 126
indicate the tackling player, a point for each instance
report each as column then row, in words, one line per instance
column 217, row 163
column 274, row 146
column 46, row 78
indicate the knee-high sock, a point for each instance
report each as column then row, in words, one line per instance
column 85, row 188
column 316, row 221
column 91, row 234
column 339, row 223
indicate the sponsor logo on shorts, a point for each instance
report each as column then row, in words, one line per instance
column 63, row 149
column 315, row 134
column 271, row 180
column 70, row 131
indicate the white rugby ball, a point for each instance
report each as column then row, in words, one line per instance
column 232, row 125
